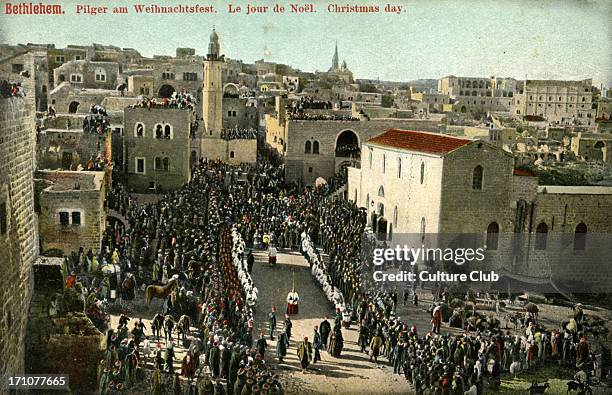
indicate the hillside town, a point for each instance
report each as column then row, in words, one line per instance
column 196, row 224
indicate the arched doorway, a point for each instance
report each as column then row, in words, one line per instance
column 72, row 108
column 166, row 91
column 193, row 158
column 347, row 145
column 381, row 228
column 599, row 151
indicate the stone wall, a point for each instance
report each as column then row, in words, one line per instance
column 54, row 144
column 61, row 342
column 64, row 95
column 176, row 149
column 95, row 75
column 236, row 114
column 289, row 139
column 231, row 151
column 68, row 238
column 18, row 228
column 406, row 200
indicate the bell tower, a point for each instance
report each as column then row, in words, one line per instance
column 212, row 91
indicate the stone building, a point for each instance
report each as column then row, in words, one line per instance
column 71, row 212
column 213, row 146
column 559, row 102
column 321, row 144
column 593, row 146
column 414, row 182
column 86, row 74
column 18, row 227
column 476, row 94
column 240, row 113
column 156, row 148
column 12, row 55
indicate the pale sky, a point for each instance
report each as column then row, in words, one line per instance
column 545, row 39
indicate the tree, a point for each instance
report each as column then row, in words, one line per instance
column 368, row 88
column 387, row 101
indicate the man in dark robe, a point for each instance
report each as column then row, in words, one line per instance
column 281, row 346
column 336, row 343
column 325, row 329
column 316, row 341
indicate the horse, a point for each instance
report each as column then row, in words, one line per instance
column 183, row 326
column 160, row 291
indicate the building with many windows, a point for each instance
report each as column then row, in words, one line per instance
column 156, row 148
column 415, row 182
column 558, row 102
column 476, row 94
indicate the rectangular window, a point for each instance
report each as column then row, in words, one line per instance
column 76, row 218
column 77, row 57
column 140, row 165
column 64, row 218
column 3, row 219
column 17, row 68
column 158, row 164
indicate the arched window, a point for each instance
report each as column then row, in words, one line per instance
column 580, row 237
column 399, row 167
column 422, row 172
column 541, row 236
column 477, row 178
column 384, row 163
column 492, row 236
column 139, row 130
column 395, row 216
column 307, row 147
column 315, row 147
column 168, row 132
column 166, row 164
column 381, row 191
column 355, row 196
column 158, row 163
column 231, row 154
column 159, row 131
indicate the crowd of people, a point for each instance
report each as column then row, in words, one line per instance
column 185, row 238
column 304, row 116
column 182, row 100
column 197, row 237
column 307, row 102
column 8, row 89
column 235, row 134
column 96, row 121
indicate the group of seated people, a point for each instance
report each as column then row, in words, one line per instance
column 234, row 134
column 177, row 100
column 8, row 89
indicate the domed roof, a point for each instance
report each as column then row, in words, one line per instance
column 214, row 36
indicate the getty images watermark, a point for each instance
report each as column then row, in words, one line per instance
column 400, row 255
column 575, row 263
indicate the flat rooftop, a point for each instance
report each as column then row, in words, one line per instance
column 575, row 190
column 65, row 180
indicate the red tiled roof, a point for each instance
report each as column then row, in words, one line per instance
column 412, row 140
column 522, row 172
